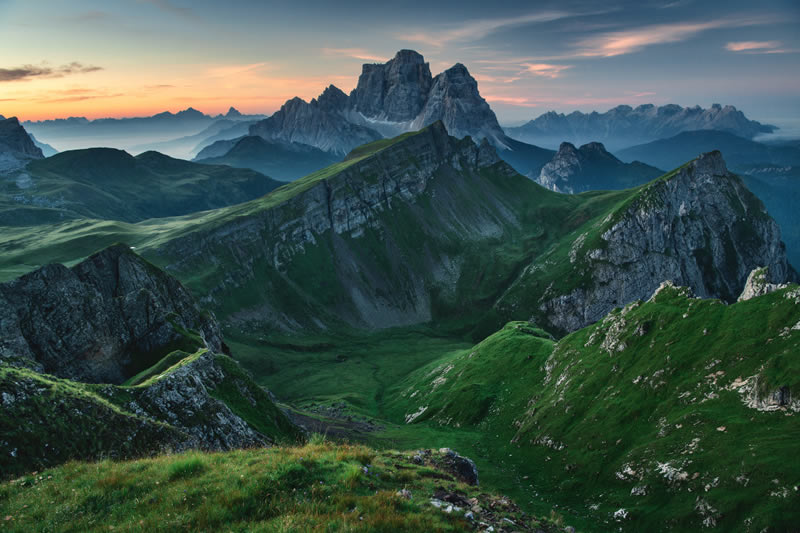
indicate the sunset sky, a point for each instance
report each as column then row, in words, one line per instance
column 139, row 57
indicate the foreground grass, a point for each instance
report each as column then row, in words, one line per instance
column 316, row 487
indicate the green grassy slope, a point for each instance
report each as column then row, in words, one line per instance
column 318, row 487
column 667, row 409
column 47, row 420
column 110, row 184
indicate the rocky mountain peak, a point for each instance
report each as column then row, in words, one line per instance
column 233, row 113
column 332, row 99
column 16, row 141
column 709, row 163
column 395, row 91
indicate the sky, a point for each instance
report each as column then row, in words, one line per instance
column 115, row 58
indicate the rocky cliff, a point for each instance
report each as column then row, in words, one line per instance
column 103, row 320
column 698, row 227
column 16, row 146
column 591, row 167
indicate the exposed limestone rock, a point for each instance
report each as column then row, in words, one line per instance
column 758, row 285
column 103, row 320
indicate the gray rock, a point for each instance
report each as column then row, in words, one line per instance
column 701, row 229
column 757, row 285
column 104, row 320
column 16, row 146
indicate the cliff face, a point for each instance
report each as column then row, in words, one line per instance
column 16, row 146
column 395, row 91
column 103, row 320
column 699, row 228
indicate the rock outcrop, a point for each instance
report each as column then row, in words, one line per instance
column 103, row 320
column 700, row 228
column 757, row 284
column 591, row 167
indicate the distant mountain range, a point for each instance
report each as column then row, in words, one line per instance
column 626, row 126
column 670, row 152
column 135, row 134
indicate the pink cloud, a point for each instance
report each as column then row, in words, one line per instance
column 545, row 69
column 355, row 53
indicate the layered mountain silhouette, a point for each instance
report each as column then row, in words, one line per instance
column 625, row 126
column 592, row 167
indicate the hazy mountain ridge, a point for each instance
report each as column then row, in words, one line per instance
column 279, row 160
column 626, row 126
column 104, row 183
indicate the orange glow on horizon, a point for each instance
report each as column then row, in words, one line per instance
column 252, row 89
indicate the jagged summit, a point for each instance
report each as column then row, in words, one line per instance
column 16, row 146
column 390, row 98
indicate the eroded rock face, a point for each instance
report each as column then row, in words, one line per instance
column 701, row 229
column 395, row 91
column 183, row 400
column 103, row 320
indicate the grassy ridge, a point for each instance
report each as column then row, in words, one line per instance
column 653, row 410
column 47, row 420
column 317, row 487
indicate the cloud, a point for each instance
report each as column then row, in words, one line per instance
column 757, row 47
column 355, row 53
column 629, row 41
column 74, row 95
column 478, row 29
column 545, row 70
column 28, row 72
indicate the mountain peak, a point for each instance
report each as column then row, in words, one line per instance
column 16, row 143
column 233, row 112
column 408, row 57
column 710, row 163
